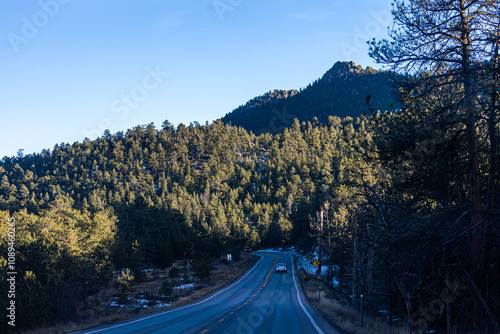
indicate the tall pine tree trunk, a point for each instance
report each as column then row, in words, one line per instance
column 494, row 162
column 369, row 274
column 477, row 255
column 494, row 158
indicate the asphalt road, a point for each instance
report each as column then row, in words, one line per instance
column 261, row 301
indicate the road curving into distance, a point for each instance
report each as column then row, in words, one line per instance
column 260, row 302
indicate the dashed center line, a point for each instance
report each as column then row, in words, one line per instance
column 257, row 292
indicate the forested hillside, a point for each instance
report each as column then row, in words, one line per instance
column 345, row 90
column 150, row 196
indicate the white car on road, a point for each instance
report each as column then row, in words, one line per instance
column 281, row 268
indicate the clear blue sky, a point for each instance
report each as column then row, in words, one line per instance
column 73, row 68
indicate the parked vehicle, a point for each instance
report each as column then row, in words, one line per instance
column 247, row 249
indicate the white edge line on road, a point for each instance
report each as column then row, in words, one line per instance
column 300, row 301
column 180, row 308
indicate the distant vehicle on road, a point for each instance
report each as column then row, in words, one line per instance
column 247, row 249
column 281, row 268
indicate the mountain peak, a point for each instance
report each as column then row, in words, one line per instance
column 341, row 92
column 345, row 68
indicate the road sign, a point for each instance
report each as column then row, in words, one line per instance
column 229, row 257
column 316, row 263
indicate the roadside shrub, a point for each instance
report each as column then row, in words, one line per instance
column 124, row 281
column 202, row 266
column 174, row 272
column 187, row 279
column 166, row 288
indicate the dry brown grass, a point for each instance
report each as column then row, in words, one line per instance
column 95, row 311
column 344, row 317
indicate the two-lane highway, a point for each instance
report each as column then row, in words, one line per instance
column 261, row 301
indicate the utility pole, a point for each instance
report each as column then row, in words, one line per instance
column 361, row 311
column 355, row 258
column 320, row 230
column 330, row 273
